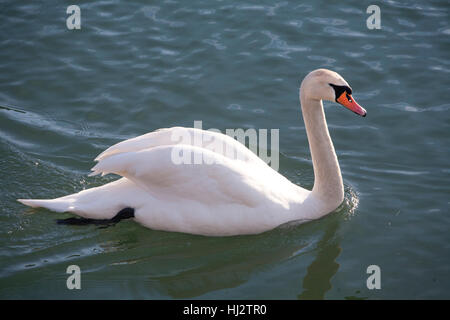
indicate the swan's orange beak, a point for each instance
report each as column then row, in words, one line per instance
column 347, row 101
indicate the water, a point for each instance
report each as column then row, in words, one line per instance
column 66, row 95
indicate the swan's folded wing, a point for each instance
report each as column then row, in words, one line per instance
column 215, row 179
column 213, row 141
column 149, row 140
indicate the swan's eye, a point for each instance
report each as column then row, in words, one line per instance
column 349, row 98
column 339, row 90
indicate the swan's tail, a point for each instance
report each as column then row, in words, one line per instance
column 58, row 205
column 95, row 203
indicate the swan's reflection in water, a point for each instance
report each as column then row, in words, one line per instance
column 184, row 266
column 248, row 256
column 225, row 263
column 318, row 277
column 216, row 264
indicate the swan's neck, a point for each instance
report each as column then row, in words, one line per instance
column 328, row 184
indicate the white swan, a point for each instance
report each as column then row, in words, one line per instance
column 228, row 197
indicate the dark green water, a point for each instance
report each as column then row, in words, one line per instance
column 135, row 67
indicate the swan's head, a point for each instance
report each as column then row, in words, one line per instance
column 323, row 84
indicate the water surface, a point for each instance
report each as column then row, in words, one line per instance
column 134, row 67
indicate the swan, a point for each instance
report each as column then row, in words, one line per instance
column 228, row 194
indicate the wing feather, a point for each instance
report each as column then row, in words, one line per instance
column 222, row 180
column 214, row 141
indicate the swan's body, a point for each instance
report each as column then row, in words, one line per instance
column 225, row 194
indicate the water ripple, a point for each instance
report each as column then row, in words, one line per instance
column 135, row 67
